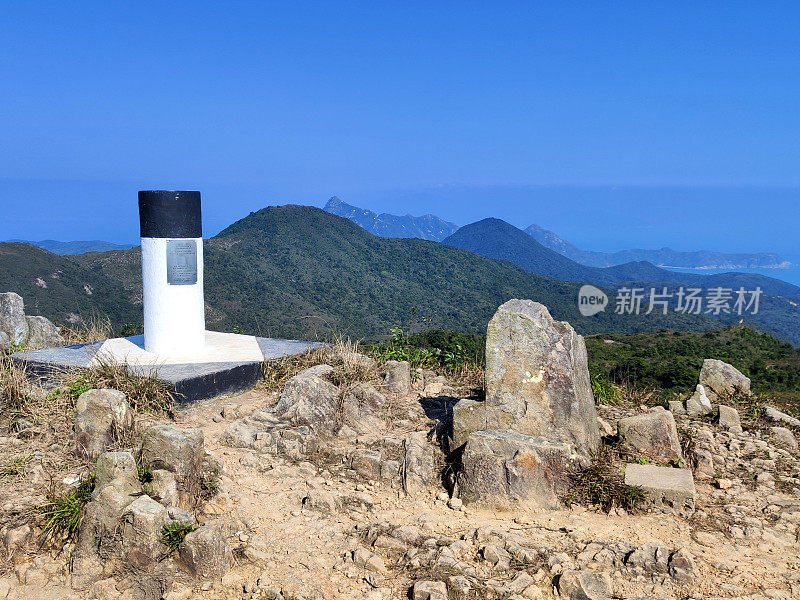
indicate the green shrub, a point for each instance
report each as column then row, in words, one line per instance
column 173, row 534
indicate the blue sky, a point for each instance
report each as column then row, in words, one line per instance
column 617, row 124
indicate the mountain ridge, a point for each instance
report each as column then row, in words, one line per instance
column 425, row 227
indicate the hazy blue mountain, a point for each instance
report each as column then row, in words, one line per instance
column 665, row 257
column 426, row 227
column 76, row 247
column 494, row 238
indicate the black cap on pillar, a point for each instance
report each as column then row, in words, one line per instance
column 170, row 214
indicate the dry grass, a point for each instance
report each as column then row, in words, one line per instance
column 344, row 355
column 95, row 330
column 145, row 393
column 14, row 386
column 602, row 483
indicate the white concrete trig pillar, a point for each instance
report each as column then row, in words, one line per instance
column 172, row 272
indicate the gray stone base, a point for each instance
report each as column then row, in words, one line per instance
column 502, row 469
column 191, row 379
column 669, row 490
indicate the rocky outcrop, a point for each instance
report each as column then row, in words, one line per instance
column 12, row 318
column 29, row 331
column 504, row 468
column 652, row 435
column 140, row 528
column 310, row 399
column 722, row 381
column 537, row 378
column 101, row 418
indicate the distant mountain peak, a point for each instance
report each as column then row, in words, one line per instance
column 426, row 227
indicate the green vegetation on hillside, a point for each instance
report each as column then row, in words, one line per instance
column 670, row 361
column 299, row 272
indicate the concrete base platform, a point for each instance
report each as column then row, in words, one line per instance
column 229, row 363
column 668, row 490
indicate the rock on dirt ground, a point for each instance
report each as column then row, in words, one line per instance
column 308, row 508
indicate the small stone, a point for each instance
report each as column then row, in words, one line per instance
column 699, row 404
column 205, row 553
column 455, row 503
column 585, row 585
column 729, row 419
column 652, row 434
column 101, row 418
column 430, row 590
column 669, row 490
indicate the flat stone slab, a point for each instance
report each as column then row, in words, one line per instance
column 667, row 489
column 229, row 363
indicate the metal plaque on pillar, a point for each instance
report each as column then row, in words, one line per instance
column 181, row 262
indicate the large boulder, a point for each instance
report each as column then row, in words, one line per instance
column 537, row 378
column 205, row 553
column 12, row 318
column 141, row 530
column 310, row 399
column 505, row 468
column 42, row 333
column 652, row 434
column 722, row 381
column 179, row 451
column 101, row 417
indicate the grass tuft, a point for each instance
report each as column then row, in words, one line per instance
column 62, row 513
column 173, row 534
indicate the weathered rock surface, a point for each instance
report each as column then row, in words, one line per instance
column 667, row 489
column 469, row 416
column 5, row 341
column 585, row 585
column 205, row 553
column 419, row 465
column 179, row 451
column 398, row 377
column 310, row 399
column 141, row 525
column 722, row 381
column 699, row 404
column 729, row 419
column 652, row 434
column 117, row 469
column 42, row 334
column 504, row 468
column 12, row 318
column 537, row 379
column 773, row 414
column 784, row 437
column 101, row 418
column 430, row 590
